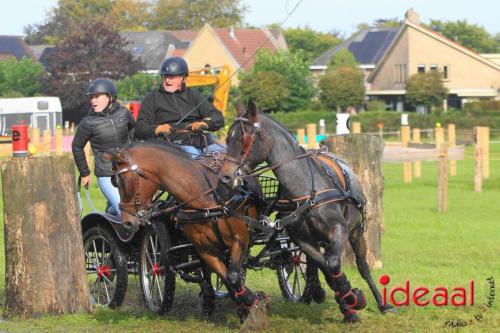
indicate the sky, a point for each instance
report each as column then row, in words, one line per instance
column 321, row 15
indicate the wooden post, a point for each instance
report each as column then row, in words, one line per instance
column 356, row 127
column 364, row 154
column 485, row 149
column 443, row 180
column 311, row 136
column 44, row 258
column 439, row 133
column 301, row 133
column 478, row 169
column 405, row 139
column 452, row 142
column 47, row 138
column 59, row 141
column 35, row 137
column 417, row 164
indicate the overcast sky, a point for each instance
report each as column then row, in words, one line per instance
column 321, row 15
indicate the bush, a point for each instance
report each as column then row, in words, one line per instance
column 485, row 107
column 342, row 87
column 375, row 105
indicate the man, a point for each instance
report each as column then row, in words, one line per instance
column 162, row 108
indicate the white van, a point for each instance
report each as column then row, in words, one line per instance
column 38, row 112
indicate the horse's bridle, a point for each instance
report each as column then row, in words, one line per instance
column 134, row 208
column 247, row 146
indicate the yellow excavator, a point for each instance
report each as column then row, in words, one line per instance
column 218, row 77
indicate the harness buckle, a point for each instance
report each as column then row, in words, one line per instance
column 277, row 225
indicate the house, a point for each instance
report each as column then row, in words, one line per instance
column 235, row 47
column 467, row 74
column 366, row 46
column 152, row 47
column 14, row 46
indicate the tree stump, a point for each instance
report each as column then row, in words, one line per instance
column 364, row 153
column 45, row 266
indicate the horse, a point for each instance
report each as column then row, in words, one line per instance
column 144, row 168
column 320, row 211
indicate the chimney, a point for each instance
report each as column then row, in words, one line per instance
column 231, row 33
column 412, row 16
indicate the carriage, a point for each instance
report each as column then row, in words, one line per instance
column 113, row 251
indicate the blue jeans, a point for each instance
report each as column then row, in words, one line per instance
column 111, row 193
column 198, row 151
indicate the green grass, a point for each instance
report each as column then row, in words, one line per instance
column 427, row 248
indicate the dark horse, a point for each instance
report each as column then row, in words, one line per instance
column 323, row 214
column 144, row 168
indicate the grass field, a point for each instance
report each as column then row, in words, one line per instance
column 420, row 245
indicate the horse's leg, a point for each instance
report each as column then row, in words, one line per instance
column 207, row 292
column 329, row 263
column 248, row 305
column 313, row 289
column 358, row 245
column 349, row 299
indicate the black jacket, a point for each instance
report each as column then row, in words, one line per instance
column 160, row 107
column 107, row 131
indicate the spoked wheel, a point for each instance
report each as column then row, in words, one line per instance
column 292, row 274
column 157, row 279
column 106, row 268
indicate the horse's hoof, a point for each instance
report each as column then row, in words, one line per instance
column 263, row 298
column 306, row 297
column 208, row 305
column 350, row 317
column 388, row 309
column 319, row 295
column 360, row 299
column 257, row 319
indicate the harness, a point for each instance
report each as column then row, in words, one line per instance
column 297, row 208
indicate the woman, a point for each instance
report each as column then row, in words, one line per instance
column 107, row 127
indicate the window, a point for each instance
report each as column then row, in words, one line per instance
column 401, row 73
column 446, row 73
column 434, row 67
column 404, row 72
column 421, row 68
column 396, row 76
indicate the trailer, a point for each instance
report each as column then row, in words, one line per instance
column 38, row 112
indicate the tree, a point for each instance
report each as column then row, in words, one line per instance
column 426, row 89
column 342, row 87
column 309, row 42
column 295, row 73
column 469, row 35
column 191, row 14
column 63, row 17
column 20, row 78
column 266, row 89
column 90, row 51
column 343, row 58
column 135, row 15
column 136, row 87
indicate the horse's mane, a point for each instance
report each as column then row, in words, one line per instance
column 277, row 124
column 166, row 146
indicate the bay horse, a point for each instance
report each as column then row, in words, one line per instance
column 321, row 213
column 143, row 168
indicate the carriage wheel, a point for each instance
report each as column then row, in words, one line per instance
column 157, row 280
column 292, row 274
column 219, row 287
column 106, row 268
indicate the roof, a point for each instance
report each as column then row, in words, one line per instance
column 367, row 46
column 243, row 43
column 152, row 47
column 15, row 46
column 408, row 23
column 184, row 35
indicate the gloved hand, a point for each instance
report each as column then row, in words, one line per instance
column 198, row 126
column 163, row 128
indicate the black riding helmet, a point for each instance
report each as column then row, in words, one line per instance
column 174, row 66
column 102, row 86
